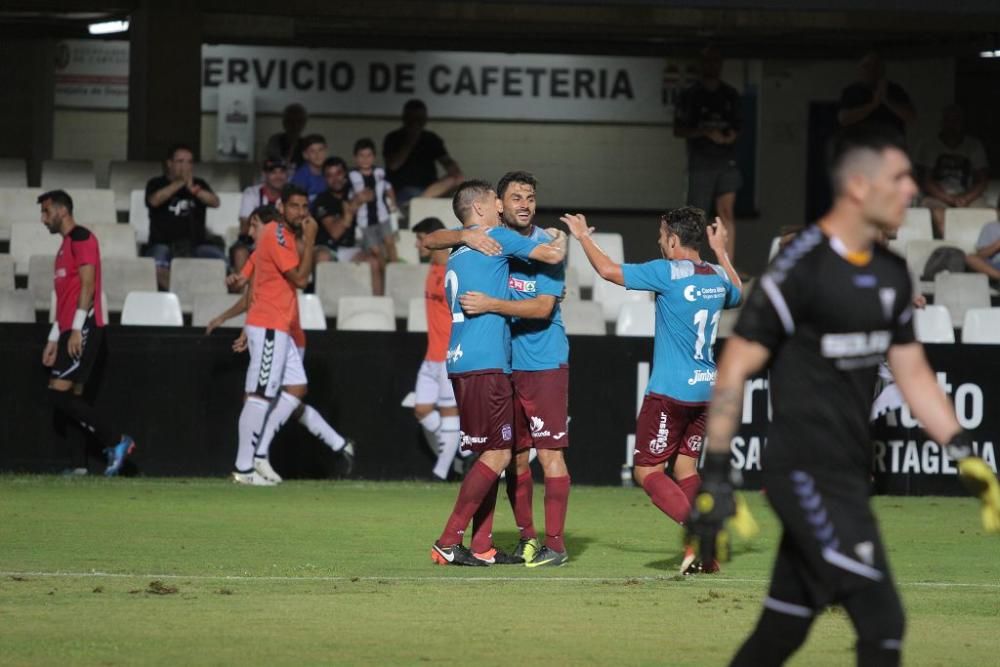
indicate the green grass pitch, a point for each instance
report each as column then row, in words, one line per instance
column 200, row 572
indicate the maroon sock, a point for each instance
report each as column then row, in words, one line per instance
column 477, row 484
column 482, row 521
column 689, row 485
column 556, row 500
column 666, row 495
column 519, row 490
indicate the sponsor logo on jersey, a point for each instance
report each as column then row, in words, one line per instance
column 857, row 344
column 454, row 355
column 538, row 428
column 507, row 433
column 692, row 293
column 887, row 295
column 702, row 376
column 60, row 272
column 522, row 285
column 658, row 445
column 694, row 443
column 865, row 280
column 469, row 440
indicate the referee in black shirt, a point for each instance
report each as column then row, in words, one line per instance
column 822, row 318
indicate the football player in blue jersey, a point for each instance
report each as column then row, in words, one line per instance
column 690, row 296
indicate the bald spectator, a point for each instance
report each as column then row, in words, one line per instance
column 412, row 154
column 953, row 169
column 287, row 145
column 875, row 99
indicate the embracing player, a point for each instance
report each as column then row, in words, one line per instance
column 824, row 316
column 74, row 345
column 479, row 366
column 690, row 297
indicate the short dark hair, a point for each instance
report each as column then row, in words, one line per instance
column 523, row 177
column 468, row 192
column 856, row 139
column 687, row 223
column 59, row 198
column 266, row 213
column 334, row 162
column 311, row 139
column 292, row 190
column 427, row 226
column 414, row 105
column 179, row 146
column 362, row 144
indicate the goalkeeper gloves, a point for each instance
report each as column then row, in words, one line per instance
column 978, row 479
column 716, row 509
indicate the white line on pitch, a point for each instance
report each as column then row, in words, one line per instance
column 420, row 579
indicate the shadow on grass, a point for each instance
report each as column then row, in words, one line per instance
column 575, row 546
column 674, row 564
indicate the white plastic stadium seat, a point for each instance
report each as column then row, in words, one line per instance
column 416, row 318
column 432, row 207
column 366, row 313
column 611, row 244
column 41, row 278
column 916, row 225
column 572, row 284
column 932, row 324
column 128, row 175
column 152, row 309
column 612, row 297
column 406, row 247
column 404, row 282
column 917, row 253
column 115, row 240
column 636, row 319
column 68, row 174
column 121, row 275
column 90, row 206
column 31, row 238
column 190, row 276
column 982, row 326
column 583, row 318
column 961, row 291
column 6, row 272
column 962, row 226
column 227, row 215
column 13, row 173
column 338, row 279
column 16, row 306
column 311, row 313
column 18, row 205
column 52, row 306
column 207, row 306
column 138, row 215
column 220, row 176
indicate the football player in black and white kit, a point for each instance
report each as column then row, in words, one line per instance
column 823, row 317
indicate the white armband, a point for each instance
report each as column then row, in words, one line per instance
column 79, row 318
column 54, row 333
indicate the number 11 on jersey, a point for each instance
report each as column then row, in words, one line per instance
column 700, row 320
column 451, row 287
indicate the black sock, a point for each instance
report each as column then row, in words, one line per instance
column 776, row 637
column 80, row 412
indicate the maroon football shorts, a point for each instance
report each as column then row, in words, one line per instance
column 485, row 410
column 541, row 406
column 666, row 427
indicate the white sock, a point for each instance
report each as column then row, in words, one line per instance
column 431, row 424
column 280, row 412
column 319, row 427
column 251, row 424
column 450, row 436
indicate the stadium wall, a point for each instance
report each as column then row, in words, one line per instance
column 178, row 392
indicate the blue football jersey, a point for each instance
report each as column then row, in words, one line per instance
column 482, row 342
column 537, row 344
column 689, row 302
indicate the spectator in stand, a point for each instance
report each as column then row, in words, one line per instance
column 309, row 175
column 875, row 99
column 953, row 169
column 373, row 216
column 986, row 259
column 708, row 117
column 410, row 156
column 287, row 145
column 176, row 203
column 265, row 193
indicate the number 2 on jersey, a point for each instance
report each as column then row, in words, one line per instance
column 700, row 320
column 451, row 287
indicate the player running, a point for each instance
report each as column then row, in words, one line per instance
column 825, row 314
column 435, row 408
column 74, row 344
column 479, row 366
column 305, row 414
column 540, row 363
column 275, row 362
column 690, row 297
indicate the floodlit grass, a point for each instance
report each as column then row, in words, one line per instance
column 186, row 572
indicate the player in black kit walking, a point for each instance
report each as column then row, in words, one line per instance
column 825, row 314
